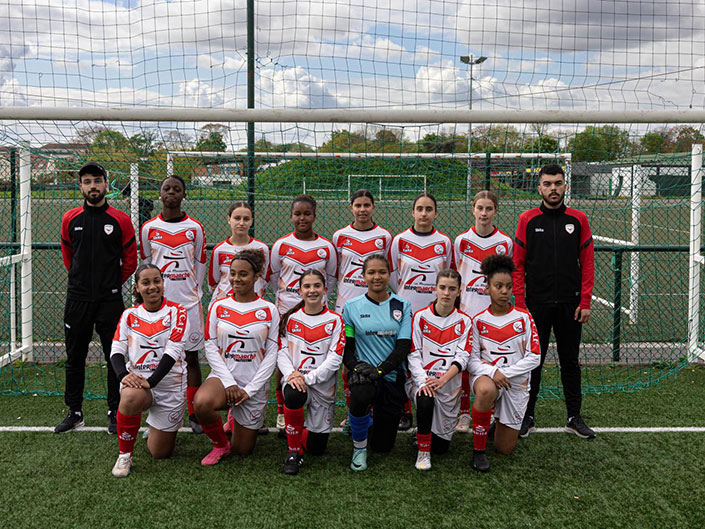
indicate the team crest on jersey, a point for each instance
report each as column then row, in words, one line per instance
column 322, row 253
column 329, row 328
column 439, row 249
column 570, row 228
column 190, row 235
column 501, row 250
column 167, row 320
column 459, row 329
column 396, row 314
column 518, row 326
column 379, row 243
column 261, row 314
column 108, row 229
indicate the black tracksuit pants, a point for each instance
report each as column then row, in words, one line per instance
column 79, row 319
column 560, row 318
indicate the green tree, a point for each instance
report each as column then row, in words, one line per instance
column 655, row 142
column 682, row 138
column 599, row 143
column 213, row 142
column 497, row 138
column 542, row 144
column 443, row 143
column 345, row 141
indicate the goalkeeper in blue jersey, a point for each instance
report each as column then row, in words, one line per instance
column 378, row 332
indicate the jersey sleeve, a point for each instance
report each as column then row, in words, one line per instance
column 201, row 255
column 392, row 258
column 464, row 347
column 586, row 256
column 405, row 327
column 179, row 331
column 119, row 346
column 271, row 348
column 128, row 260
column 475, row 364
column 284, row 363
column 415, row 358
column 450, row 258
column 261, row 284
column 518, row 280
column 334, row 357
column 275, row 267
column 145, row 247
column 66, row 249
column 532, row 351
column 331, row 268
column 214, row 269
column 213, row 356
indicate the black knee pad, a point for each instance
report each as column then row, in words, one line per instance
column 361, row 397
column 293, row 398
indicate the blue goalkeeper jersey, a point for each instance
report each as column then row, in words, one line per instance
column 376, row 327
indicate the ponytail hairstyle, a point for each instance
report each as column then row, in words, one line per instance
column 375, row 257
column 455, row 275
column 486, row 194
column 146, row 266
column 495, row 264
column 254, row 257
column 240, row 204
column 362, row 193
column 425, row 194
column 285, row 317
column 308, row 199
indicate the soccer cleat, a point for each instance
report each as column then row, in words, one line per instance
column 359, row 460
column 145, row 434
column 112, row 422
column 281, row 422
column 345, row 425
column 423, row 461
column 577, row 426
column 123, row 465
column 72, row 421
column 292, row 464
column 229, row 425
column 263, row 431
column 194, row 424
column 406, row 422
column 215, row 455
column 463, row 425
column 527, row 426
column 479, row 461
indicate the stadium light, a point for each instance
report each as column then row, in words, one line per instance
column 471, row 61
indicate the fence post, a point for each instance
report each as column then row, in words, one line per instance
column 695, row 258
column 251, row 104
column 488, row 170
column 26, row 245
column 617, row 309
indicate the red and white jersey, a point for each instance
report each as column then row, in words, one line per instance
column 509, row 343
column 290, row 257
column 314, row 346
column 219, row 269
column 470, row 250
column 353, row 246
column 438, row 341
column 179, row 250
column 416, row 260
column 144, row 337
column 242, row 340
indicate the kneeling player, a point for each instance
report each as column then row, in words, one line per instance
column 312, row 351
column 441, row 344
column 151, row 335
column 241, row 348
column 505, row 349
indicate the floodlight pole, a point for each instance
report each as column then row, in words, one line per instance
column 471, row 61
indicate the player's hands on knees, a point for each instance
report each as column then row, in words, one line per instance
column 296, row 380
column 133, row 380
column 231, row 394
column 500, row 380
column 429, row 387
column 242, row 397
column 582, row 315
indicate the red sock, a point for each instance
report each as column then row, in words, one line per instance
column 127, row 428
column 346, row 389
column 294, row 428
column 423, row 440
column 190, row 394
column 407, row 407
column 465, row 394
column 214, row 432
column 280, row 401
column 480, row 427
column 304, row 439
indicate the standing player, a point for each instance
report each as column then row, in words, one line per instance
column 470, row 249
column 505, row 348
column 555, row 273
column 416, row 256
column 99, row 251
column 242, row 337
column 176, row 243
column 378, row 332
column 441, row 345
column 354, row 243
column 301, row 250
column 313, row 340
column 151, row 337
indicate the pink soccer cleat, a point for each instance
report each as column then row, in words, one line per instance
column 215, row 455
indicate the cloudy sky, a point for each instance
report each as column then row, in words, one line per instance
column 542, row 54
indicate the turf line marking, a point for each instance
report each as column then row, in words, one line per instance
column 618, row 429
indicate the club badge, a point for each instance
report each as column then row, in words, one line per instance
column 396, row 314
column 108, row 229
column 570, row 228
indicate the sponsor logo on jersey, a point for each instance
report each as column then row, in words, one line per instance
column 538, row 230
column 172, row 240
column 108, row 228
column 306, row 365
column 570, row 228
column 78, row 228
column 396, row 314
column 436, row 368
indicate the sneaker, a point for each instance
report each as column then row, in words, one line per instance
column 406, row 422
column 229, row 425
column 72, row 421
column 281, row 423
column 145, row 434
column 112, row 422
column 194, row 424
column 123, row 465
column 577, row 426
column 479, row 462
column 463, row 425
column 215, row 455
column 423, row 461
column 527, row 426
column 359, row 460
column 345, row 425
column 293, row 462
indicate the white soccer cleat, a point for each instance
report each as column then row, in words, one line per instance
column 463, row 425
column 123, row 465
column 281, row 423
column 423, row 461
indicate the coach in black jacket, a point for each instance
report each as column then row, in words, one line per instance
column 100, row 253
column 554, row 258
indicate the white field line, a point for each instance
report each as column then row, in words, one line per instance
column 618, row 429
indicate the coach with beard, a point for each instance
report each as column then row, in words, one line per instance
column 99, row 251
column 554, row 259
